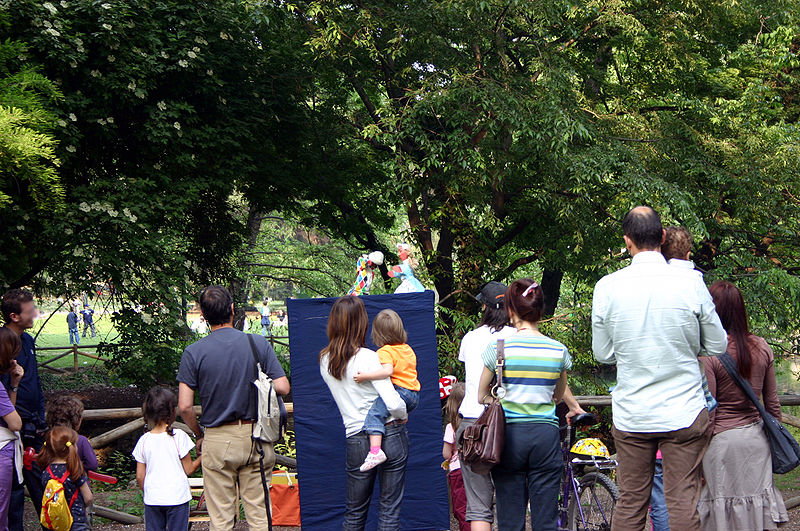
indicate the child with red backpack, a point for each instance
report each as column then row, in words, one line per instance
column 64, row 481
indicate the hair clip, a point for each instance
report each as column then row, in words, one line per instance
column 528, row 290
column 69, row 444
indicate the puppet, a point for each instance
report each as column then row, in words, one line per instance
column 364, row 273
column 405, row 271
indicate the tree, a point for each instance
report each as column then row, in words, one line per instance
column 519, row 133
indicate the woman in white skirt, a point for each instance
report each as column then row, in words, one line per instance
column 739, row 492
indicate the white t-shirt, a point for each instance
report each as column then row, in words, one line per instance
column 355, row 400
column 471, row 352
column 165, row 481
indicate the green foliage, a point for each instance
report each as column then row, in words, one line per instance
column 519, row 133
column 286, row 448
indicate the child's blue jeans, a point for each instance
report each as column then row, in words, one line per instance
column 658, row 504
column 377, row 415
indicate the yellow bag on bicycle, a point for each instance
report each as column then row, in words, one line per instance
column 56, row 513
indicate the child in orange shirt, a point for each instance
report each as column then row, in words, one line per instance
column 399, row 362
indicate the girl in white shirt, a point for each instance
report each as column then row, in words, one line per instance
column 162, row 463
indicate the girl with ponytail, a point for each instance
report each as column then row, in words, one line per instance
column 58, row 457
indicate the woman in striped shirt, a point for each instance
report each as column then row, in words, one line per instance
column 534, row 378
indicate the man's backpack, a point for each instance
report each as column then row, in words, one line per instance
column 270, row 412
column 56, row 513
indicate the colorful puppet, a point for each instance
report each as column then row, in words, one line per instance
column 405, row 271
column 364, row 274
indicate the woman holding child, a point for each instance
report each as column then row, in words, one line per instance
column 345, row 358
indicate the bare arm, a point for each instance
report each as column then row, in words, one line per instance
column 281, row 385
column 13, row 420
column 140, row 471
column 190, row 466
column 385, row 371
column 86, row 492
column 484, row 387
column 186, row 411
column 561, row 386
column 447, row 450
column 573, row 405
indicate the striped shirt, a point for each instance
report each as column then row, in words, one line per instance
column 533, row 366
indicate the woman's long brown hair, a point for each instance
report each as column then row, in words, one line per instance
column 56, row 447
column 733, row 315
column 347, row 332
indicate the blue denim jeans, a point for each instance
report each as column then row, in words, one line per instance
column 529, row 473
column 166, row 517
column 392, row 473
column 378, row 414
column 658, row 503
column 74, row 337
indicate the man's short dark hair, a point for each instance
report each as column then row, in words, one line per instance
column 215, row 303
column 12, row 302
column 643, row 226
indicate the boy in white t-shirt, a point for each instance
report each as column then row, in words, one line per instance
column 162, row 463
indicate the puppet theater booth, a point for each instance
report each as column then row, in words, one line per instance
column 319, row 431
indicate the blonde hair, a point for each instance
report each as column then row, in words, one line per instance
column 453, row 403
column 387, row 329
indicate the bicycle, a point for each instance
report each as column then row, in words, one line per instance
column 587, row 498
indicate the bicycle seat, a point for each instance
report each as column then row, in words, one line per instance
column 584, row 419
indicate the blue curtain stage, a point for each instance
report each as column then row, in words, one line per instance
column 319, row 430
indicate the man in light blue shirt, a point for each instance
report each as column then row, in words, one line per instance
column 653, row 321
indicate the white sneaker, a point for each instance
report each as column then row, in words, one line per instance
column 373, row 460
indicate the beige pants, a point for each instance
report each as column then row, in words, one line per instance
column 231, row 471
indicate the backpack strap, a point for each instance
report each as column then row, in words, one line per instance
column 74, row 497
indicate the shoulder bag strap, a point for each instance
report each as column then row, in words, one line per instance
column 500, row 363
column 729, row 364
column 257, row 367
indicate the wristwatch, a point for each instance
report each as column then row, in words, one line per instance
column 14, row 389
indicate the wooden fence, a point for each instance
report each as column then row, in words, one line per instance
column 78, row 350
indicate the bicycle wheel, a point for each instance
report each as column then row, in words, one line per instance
column 598, row 496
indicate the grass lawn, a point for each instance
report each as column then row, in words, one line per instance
column 54, row 333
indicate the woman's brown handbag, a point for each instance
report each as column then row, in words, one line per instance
column 482, row 443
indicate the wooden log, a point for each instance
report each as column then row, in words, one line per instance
column 791, row 420
column 112, row 435
column 600, row 401
column 51, row 360
column 117, row 516
column 133, row 412
column 791, row 503
column 290, row 462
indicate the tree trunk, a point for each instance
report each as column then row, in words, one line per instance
column 239, row 287
column 551, row 286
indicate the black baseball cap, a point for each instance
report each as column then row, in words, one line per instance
column 492, row 294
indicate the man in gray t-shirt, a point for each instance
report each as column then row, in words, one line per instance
column 220, row 368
